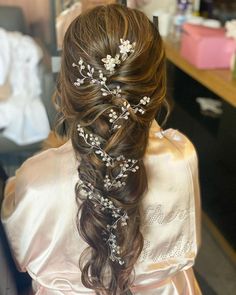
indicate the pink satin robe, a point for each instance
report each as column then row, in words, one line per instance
column 39, row 216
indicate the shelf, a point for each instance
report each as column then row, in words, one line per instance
column 218, row 81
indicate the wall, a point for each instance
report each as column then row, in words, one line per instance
column 153, row 5
column 37, row 14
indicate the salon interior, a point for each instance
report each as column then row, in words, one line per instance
column 200, row 45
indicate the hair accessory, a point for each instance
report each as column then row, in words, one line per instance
column 118, row 168
column 118, row 215
column 126, row 48
column 94, row 143
column 111, row 62
column 125, row 111
column 127, row 166
column 88, row 73
column 101, row 80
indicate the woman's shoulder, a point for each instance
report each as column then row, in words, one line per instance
column 171, row 163
column 169, row 142
column 47, row 166
column 49, row 175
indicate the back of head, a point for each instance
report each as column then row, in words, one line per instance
column 112, row 83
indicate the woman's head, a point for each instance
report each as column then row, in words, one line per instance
column 95, row 34
column 110, row 111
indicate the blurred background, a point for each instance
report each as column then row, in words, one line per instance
column 200, row 42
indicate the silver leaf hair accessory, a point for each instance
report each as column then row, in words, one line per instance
column 111, row 62
column 88, row 72
column 118, row 215
column 93, row 142
column 87, row 75
column 125, row 112
column 128, row 165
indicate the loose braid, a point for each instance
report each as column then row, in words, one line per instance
column 92, row 36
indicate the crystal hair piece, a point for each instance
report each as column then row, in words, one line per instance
column 125, row 165
column 109, row 63
column 101, row 80
column 93, row 142
column 88, row 73
column 125, row 112
column 118, row 215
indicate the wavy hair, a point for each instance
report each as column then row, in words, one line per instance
column 92, row 36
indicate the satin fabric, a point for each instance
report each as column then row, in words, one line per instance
column 39, row 216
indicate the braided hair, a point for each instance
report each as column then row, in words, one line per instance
column 109, row 130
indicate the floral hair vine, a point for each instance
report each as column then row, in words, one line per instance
column 125, row 112
column 118, row 215
column 94, row 143
column 122, row 165
column 109, row 63
column 125, row 165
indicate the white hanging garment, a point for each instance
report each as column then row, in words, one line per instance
column 22, row 114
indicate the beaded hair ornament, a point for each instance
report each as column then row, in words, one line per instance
column 126, row 166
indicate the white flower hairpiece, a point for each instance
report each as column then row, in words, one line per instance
column 125, row 48
column 111, row 62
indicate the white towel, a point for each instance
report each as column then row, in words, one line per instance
column 23, row 114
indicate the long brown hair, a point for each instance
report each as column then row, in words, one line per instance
column 92, row 36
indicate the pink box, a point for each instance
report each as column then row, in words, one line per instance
column 206, row 48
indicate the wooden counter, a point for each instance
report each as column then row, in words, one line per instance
column 218, row 81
